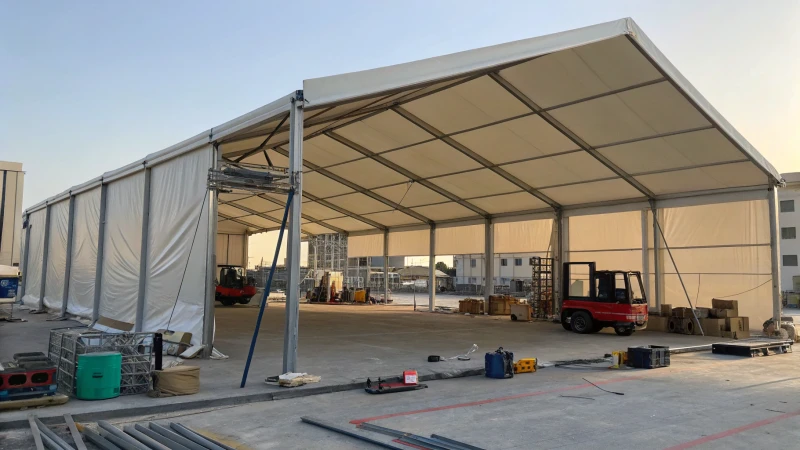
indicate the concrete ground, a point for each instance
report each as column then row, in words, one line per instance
column 701, row 401
column 343, row 344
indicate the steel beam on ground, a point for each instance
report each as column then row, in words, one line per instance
column 505, row 84
column 47, row 432
column 101, row 238
column 45, row 255
column 73, row 430
column 474, row 156
column 37, row 435
column 405, row 172
column 775, row 254
column 432, row 269
column 346, row 432
column 139, row 323
column 211, row 262
column 196, row 437
column 144, row 439
column 68, row 266
column 293, row 242
column 488, row 261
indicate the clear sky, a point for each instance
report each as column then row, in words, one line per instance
column 89, row 86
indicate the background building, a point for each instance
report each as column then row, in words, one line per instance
column 790, row 224
column 11, row 177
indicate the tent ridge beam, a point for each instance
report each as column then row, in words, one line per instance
column 361, row 190
column 406, row 173
column 341, row 210
column 474, row 156
column 505, row 84
column 655, row 136
column 307, row 217
column 606, row 94
column 263, row 144
column 698, row 166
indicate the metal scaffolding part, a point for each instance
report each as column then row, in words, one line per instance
column 328, row 252
column 386, row 267
column 775, row 254
column 211, row 258
column 293, row 243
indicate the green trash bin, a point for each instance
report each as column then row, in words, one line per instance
column 98, row 375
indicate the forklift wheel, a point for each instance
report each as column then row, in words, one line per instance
column 514, row 317
column 597, row 327
column 582, row 322
column 564, row 323
column 623, row 331
column 245, row 300
column 227, row 301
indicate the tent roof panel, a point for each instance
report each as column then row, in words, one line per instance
column 392, row 218
column 349, row 224
column 516, row 139
column 258, row 204
column 384, row 131
column 318, row 211
column 359, row 203
column 592, row 192
column 519, row 201
column 471, row 104
column 368, row 173
column 414, row 195
column 324, row 151
column 321, row 186
column 444, row 211
column 432, row 159
column 705, row 178
column 581, row 72
column 557, row 170
column 475, row 184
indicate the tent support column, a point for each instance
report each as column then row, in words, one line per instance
column 293, row 245
column 44, row 257
column 658, row 266
column 645, row 256
column 68, row 267
column 558, row 253
column 138, row 325
column 211, row 263
column 26, row 250
column 432, row 270
column 101, row 237
column 488, row 261
column 386, row 267
column 775, row 255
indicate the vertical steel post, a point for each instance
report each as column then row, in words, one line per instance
column 211, row 263
column 138, row 325
column 658, row 266
column 432, row 269
column 68, row 267
column 558, row 260
column 386, row 266
column 25, row 252
column 101, row 238
column 45, row 254
column 488, row 261
column 775, row 255
column 645, row 255
column 290, row 337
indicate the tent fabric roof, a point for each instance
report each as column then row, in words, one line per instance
column 420, row 271
column 580, row 118
column 583, row 118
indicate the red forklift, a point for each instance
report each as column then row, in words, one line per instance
column 596, row 299
column 234, row 286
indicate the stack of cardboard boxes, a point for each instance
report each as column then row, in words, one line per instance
column 721, row 320
column 471, row 306
column 500, row 305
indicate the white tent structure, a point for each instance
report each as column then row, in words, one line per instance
column 571, row 143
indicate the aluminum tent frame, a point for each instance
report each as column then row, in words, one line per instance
column 590, row 120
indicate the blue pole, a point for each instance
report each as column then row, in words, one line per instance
column 267, row 288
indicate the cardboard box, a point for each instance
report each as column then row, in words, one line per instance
column 713, row 327
column 736, row 334
column 702, row 313
column 745, row 324
column 682, row 312
column 726, row 304
column 666, row 310
column 657, row 323
column 719, row 313
column 734, row 324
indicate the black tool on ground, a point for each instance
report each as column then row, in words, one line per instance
column 158, row 349
column 752, row 348
column 604, row 390
column 387, row 387
column 434, row 358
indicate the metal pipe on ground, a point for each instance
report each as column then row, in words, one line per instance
column 454, row 442
column 132, row 443
column 53, row 437
column 410, row 438
column 98, row 440
column 37, row 435
column 73, row 430
column 118, row 442
column 159, row 438
column 167, row 433
column 361, row 437
column 52, row 445
column 197, row 437
column 144, row 439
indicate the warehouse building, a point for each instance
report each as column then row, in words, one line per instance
column 11, row 180
column 589, row 143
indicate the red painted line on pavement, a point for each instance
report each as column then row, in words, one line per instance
column 733, row 431
column 492, row 400
column 409, row 445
